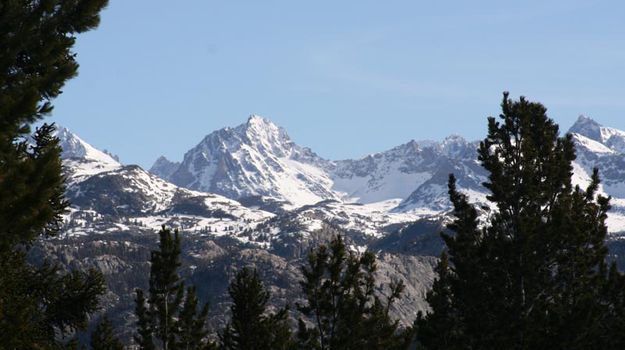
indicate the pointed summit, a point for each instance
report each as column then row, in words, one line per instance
column 257, row 122
column 262, row 134
column 256, row 158
column 80, row 159
column 455, row 146
column 164, row 167
column 586, row 126
column 257, row 119
column 76, row 148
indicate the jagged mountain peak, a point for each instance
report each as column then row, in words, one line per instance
column 162, row 159
column 256, row 158
column 77, row 149
column 611, row 138
column 410, row 148
column 257, row 132
column 80, row 159
column 255, row 120
column 587, row 127
column 265, row 135
column 164, row 167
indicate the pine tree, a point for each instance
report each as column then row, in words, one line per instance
column 191, row 328
column 339, row 287
column 169, row 318
column 533, row 276
column 440, row 329
column 251, row 326
column 143, row 338
column 103, row 338
column 38, row 304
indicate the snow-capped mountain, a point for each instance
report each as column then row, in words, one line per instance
column 82, row 160
column 99, row 184
column 256, row 158
column 117, row 208
column 603, row 148
column 393, row 202
column 415, row 172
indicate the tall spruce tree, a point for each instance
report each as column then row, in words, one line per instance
column 341, row 303
column 38, row 304
column 534, row 274
column 252, row 326
column 169, row 318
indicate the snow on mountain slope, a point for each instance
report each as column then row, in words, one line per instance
column 105, row 194
column 432, row 195
column 369, row 219
column 82, row 160
column 415, row 172
column 258, row 158
column 131, row 191
column 255, row 159
column 602, row 148
column 382, row 176
column 610, row 137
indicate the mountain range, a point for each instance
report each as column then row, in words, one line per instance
column 259, row 160
column 249, row 195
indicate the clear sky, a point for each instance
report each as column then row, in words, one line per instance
column 346, row 78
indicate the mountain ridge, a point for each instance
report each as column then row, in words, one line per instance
column 117, row 209
column 257, row 158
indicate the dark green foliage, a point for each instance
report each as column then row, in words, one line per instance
column 36, row 38
column 144, row 331
column 38, row 305
column 339, row 287
column 191, row 325
column 534, row 276
column 103, row 338
column 166, row 288
column 169, row 319
column 440, row 329
column 251, row 326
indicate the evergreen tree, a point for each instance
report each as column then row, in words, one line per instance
column 38, row 305
column 440, row 329
column 251, row 326
column 191, row 326
column 339, row 287
column 103, row 338
column 143, row 338
column 169, row 318
column 534, row 275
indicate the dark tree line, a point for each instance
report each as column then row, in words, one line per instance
column 341, row 311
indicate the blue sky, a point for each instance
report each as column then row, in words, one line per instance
column 346, row 78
